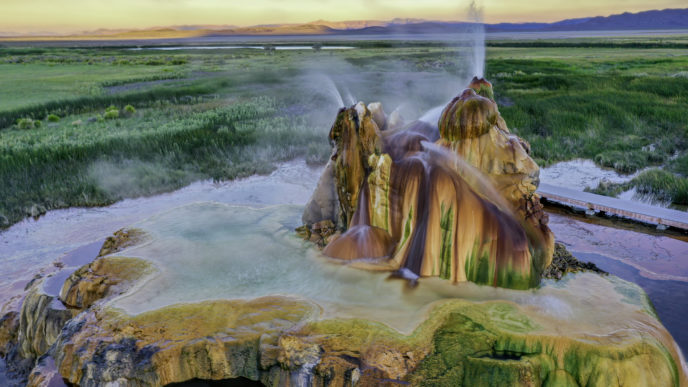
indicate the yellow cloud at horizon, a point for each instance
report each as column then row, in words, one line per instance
column 28, row 16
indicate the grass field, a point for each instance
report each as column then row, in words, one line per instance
column 219, row 114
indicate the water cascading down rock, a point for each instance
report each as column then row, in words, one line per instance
column 456, row 200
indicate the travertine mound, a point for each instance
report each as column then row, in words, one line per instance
column 463, row 208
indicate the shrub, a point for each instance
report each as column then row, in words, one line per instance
column 25, row 123
column 111, row 114
column 53, row 118
column 129, row 110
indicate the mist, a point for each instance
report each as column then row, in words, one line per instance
column 417, row 87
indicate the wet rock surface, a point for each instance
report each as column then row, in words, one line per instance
column 454, row 200
column 40, row 323
column 45, row 374
column 94, row 281
column 9, row 328
column 120, row 240
column 564, row 262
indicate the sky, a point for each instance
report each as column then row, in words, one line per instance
column 65, row 16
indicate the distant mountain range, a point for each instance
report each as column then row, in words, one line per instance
column 648, row 20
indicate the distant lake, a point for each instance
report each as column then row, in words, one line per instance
column 512, row 35
column 304, row 41
column 279, row 48
column 448, row 37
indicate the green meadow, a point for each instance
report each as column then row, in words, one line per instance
column 90, row 126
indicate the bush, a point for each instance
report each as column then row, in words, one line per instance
column 111, row 113
column 129, row 110
column 25, row 123
column 28, row 123
column 53, row 118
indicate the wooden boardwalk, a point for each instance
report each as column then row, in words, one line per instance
column 633, row 210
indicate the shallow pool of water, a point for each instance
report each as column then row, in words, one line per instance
column 30, row 246
column 209, row 251
column 579, row 174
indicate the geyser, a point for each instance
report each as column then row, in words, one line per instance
column 454, row 200
column 476, row 36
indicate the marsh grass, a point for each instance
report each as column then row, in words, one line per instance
column 185, row 116
column 662, row 185
column 82, row 104
column 608, row 188
column 619, row 121
column 155, row 151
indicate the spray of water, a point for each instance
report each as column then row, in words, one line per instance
column 349, row 98
column 476, row 39
column 331, row 89
column 432, row 116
